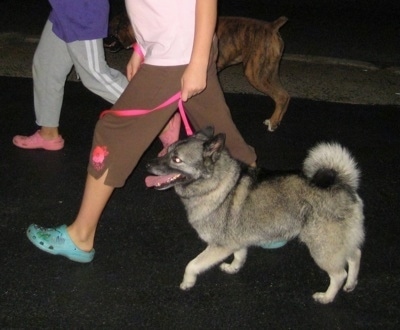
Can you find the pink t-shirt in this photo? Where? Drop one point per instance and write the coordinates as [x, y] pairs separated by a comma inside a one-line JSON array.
[[164, 29]]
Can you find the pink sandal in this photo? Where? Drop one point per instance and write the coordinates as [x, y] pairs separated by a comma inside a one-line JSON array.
[[36, 141], [171, 135]]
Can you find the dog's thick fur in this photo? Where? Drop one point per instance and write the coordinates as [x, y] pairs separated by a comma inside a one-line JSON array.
[[233, 207], [254, 43]]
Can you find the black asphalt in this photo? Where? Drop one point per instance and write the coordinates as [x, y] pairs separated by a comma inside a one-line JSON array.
[[144, 241]]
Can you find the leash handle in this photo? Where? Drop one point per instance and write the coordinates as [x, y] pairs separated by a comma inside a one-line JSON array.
[[138, 50], [141, 112], [184, 118]]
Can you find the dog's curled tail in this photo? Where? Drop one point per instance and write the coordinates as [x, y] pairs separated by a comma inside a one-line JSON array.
[[328, 164]]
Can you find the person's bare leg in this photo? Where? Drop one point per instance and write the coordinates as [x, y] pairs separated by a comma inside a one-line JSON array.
[[170, 133], [49, 133], [95, 198]]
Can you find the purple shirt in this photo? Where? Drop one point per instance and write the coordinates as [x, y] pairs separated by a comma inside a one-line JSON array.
[[80, 19]]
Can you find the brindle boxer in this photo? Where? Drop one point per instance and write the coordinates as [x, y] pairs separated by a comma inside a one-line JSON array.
[[121, 34], [256, 44]]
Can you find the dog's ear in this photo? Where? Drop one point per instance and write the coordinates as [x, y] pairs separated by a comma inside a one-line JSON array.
[[213, 147], [205, 133]]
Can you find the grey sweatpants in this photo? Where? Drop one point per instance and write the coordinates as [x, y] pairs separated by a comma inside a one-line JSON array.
[[52, 62], [119, 142]]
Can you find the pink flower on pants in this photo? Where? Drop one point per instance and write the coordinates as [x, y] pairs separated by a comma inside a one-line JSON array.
[[98, 156]]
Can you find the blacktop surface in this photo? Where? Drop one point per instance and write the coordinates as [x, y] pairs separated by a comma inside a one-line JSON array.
[[342, 68]]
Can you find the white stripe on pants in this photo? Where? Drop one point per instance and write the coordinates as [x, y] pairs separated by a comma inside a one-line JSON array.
[[52, 62]]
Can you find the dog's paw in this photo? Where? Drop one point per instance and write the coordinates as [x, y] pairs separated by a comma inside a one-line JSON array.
[[270, 126], [188, 281], [229, 268], [185, 286], [350, 287], [322, 298]]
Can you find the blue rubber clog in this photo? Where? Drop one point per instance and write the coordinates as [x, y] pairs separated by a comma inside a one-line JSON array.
[[57, 241]]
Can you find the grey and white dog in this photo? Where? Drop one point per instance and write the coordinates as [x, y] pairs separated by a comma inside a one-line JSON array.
[[233, 207]]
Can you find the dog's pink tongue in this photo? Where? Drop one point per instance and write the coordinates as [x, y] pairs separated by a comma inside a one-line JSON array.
[[152, 180]]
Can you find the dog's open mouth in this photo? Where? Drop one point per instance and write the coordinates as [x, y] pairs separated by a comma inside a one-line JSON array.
[[162, 182]]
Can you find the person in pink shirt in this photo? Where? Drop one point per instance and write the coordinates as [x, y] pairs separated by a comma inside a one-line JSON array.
[[179, 49]]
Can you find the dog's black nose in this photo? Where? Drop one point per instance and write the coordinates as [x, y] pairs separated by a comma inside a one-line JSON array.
[[151, 164]]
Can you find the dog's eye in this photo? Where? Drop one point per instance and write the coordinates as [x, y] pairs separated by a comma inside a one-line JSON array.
[[176, 160]]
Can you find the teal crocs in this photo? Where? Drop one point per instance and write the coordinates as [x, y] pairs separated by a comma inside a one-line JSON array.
[[57, 241], [273, 245]]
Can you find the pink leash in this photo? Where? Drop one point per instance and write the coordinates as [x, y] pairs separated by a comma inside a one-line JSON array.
[[141, 112]]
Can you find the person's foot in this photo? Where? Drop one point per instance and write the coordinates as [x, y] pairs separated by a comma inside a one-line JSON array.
[[36, 141], [58, 242], [171, 133]]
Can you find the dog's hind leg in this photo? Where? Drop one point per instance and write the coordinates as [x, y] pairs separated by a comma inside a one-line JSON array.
[[237, 263], [332, 262], [268, 82], [211, 256], [336, 282], [354, 267], [281, 98]]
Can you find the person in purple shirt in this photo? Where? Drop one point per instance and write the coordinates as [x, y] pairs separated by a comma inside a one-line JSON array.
[[72, 37]]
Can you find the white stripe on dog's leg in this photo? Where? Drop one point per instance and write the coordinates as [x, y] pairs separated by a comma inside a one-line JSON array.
[[267, 122]]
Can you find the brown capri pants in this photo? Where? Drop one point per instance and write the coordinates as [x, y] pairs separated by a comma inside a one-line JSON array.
[[119, 142]]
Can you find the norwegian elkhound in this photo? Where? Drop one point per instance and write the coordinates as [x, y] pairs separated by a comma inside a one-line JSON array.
[[233, 207]]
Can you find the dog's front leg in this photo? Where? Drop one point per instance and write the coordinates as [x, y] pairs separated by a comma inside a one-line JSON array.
[[211, 256], [237, 263]]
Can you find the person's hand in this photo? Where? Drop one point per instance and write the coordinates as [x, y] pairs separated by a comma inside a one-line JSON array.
[[133, 65], [193, 81]]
